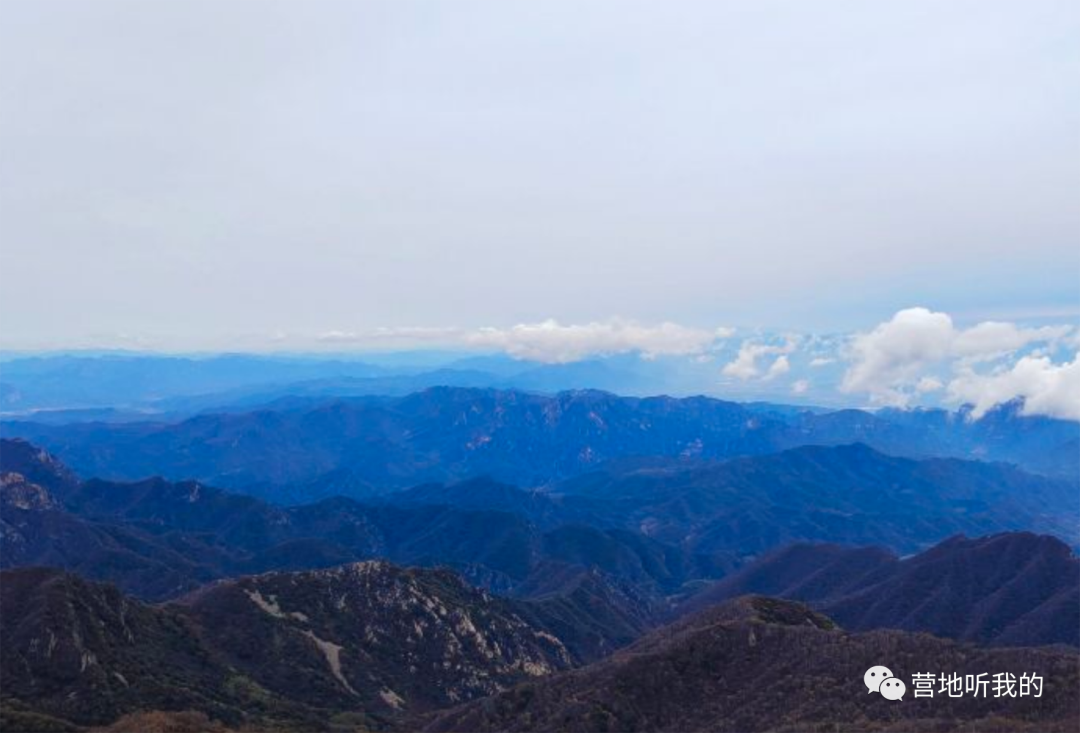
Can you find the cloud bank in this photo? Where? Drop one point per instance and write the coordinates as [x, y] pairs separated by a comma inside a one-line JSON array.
[[550, 342], [919, 351], [1046, 388]]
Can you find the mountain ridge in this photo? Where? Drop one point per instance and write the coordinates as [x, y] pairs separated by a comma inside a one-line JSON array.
[[371, 640], [448, 434], [961, 588], [761, 664]]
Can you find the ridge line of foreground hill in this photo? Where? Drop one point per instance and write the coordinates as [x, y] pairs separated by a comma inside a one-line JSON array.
[[374, 645]]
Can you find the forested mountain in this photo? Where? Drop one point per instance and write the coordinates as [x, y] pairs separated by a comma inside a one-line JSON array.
[[291, 649], [363, 446], [760, 664], [967, 589], [579, 571]]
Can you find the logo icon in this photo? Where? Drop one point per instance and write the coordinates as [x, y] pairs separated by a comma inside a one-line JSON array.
[[881, 679], [893, 688]]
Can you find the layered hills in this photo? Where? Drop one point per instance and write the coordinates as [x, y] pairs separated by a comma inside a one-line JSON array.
[[292, 452], [657, 527], [615, 599], [1009, 589]]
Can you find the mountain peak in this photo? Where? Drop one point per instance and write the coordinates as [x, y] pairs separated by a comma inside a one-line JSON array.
[[18, 493], [763, 609], [388, 636], [36, 466]]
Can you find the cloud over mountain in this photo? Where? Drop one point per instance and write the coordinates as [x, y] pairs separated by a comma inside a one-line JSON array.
[[552, 342], [1046, 388], [915, 351], [745, 365], [549, 341]]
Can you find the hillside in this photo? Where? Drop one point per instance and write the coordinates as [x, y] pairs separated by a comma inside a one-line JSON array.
[[844, 494], [369, 640], [1008, 589], [390, 638], [158, 539], [85, 653], [758, 664]]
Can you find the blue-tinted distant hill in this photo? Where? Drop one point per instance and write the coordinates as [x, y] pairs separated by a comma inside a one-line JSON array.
[[80, 381], [125, 387], [300, 448], [440, 434], [157, 538], [850, 494]]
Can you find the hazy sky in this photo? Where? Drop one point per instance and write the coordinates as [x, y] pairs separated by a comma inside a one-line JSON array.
[[240, 172]]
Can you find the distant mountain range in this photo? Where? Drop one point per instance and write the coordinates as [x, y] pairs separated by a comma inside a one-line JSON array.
[[440, 434], [121, 386], [366, 446]]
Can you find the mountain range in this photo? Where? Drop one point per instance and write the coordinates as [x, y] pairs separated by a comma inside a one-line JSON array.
[[963, 588], [638, 588], [160, 540], [357, 447], [850, 493], [658, 528], [372, 645], [122, 386]]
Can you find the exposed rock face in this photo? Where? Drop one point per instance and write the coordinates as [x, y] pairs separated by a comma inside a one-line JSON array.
[[18, 493], [374, 635], [37, 466], [371, 639]]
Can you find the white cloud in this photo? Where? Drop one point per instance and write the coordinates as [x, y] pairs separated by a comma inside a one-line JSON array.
[[1046, 388], [403, 334], [928, 384], [894, 354], [891, 362], [821, 361], [800, 386], [745, 365], [992, 339], [338, 337], [779, 367], [551, 342]]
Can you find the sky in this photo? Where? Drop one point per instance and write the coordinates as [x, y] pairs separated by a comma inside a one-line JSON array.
[[595, 176]]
